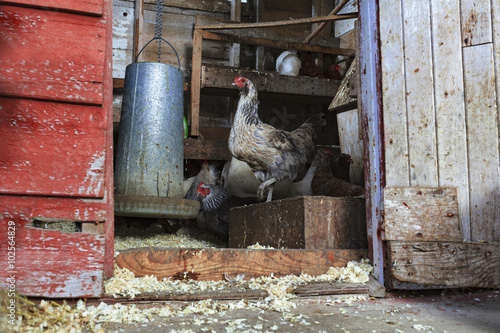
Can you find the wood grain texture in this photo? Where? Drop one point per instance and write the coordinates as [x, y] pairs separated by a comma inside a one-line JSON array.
[[476, 22], [421, 214], [31, 65], [450, 106], [52, 148], [446, 264], [92, 7], [213, 264], [394, 94], [307, 222], [420, 93], [51, 263], [483, 145]]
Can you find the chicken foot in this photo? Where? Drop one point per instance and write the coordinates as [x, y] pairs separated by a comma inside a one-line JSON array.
[[266, 185]]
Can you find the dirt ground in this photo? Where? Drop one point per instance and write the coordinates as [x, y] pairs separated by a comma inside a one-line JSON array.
[[452, 312]]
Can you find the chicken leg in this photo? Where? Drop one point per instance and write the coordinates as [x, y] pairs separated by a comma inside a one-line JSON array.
[[264, 186]]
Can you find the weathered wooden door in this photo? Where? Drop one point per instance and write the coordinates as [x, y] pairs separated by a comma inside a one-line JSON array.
[[441, 90], [56, 146]]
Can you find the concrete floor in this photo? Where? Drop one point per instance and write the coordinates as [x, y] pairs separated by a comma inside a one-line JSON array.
[[453, 312]]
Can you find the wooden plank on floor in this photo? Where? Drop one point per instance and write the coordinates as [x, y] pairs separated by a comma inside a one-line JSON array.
[[450, 107], [420, 93], [446, 263], [233, 293], [214, 264], [421, 214], [327, 288], [476, 22], [394, 94], [223, 77], [483, 145]]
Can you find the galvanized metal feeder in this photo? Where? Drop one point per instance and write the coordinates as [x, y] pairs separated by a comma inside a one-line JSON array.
[[149, 161]]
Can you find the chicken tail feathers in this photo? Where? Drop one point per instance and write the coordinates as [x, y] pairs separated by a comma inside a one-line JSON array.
[[313, 124]]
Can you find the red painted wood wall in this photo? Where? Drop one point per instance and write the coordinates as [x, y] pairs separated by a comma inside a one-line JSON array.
[[56, 145]]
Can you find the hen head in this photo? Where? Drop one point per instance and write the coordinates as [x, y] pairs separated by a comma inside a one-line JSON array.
[[203, 190], [241, 82]]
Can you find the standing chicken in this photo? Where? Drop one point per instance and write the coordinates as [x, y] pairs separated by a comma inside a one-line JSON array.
[[215, 204], [272, 154]]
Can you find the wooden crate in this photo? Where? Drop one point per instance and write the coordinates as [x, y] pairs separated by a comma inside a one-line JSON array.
[[308, 222]]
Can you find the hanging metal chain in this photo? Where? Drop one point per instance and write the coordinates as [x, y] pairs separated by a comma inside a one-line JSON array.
[[158, 25]]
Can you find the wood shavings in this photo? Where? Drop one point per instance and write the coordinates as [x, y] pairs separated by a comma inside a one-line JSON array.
[[154, 236], [48, 316], [257, 246]]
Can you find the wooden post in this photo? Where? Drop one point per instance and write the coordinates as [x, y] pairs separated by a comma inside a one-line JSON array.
[[234, 54], [195, 81], [138, 25], [259, 53]]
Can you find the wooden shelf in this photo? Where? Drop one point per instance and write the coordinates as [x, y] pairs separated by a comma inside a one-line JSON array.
[[270, 82], [221, 79]]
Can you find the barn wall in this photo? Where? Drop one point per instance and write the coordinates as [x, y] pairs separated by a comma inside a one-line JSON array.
[[441, 87]]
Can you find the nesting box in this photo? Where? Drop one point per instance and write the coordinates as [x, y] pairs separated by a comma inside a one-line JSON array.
[[308, 222]]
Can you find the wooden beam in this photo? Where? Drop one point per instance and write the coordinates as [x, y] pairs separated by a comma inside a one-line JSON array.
[[446, 263], [278, 44], [421, 214], [216, 264], [277, 23], [206, 149], [220, 77], [322, 25]]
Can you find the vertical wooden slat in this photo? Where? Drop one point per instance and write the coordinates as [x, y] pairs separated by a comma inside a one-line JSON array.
[[495, 12], [234, 54], [394, 92], [482, 135], [476, 22], [450, 107], [138, 26], [420, 93], [259, 50], [109, 224], [371, 111], [195, 82]]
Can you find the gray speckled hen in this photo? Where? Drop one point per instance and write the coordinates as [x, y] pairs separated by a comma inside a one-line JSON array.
[[272, 154]]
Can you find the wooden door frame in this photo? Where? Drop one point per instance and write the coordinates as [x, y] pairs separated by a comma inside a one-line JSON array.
[[373, 131]]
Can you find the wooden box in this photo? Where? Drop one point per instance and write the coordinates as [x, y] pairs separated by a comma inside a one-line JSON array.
[[308, 222]]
